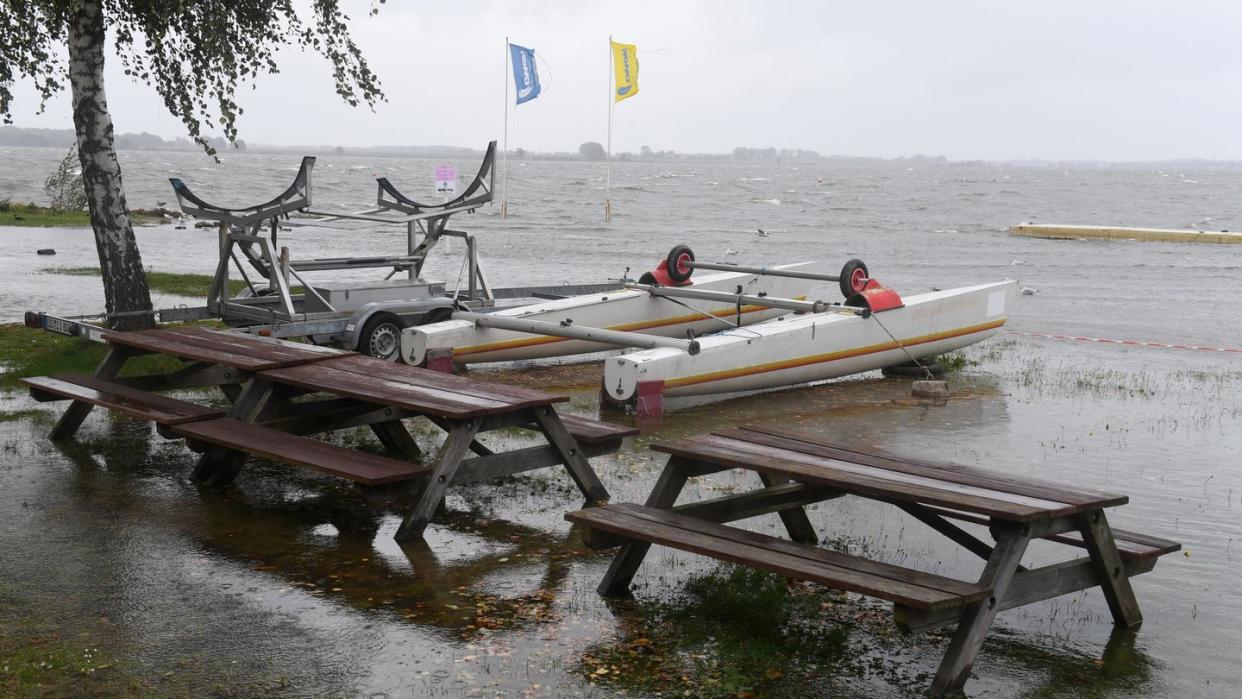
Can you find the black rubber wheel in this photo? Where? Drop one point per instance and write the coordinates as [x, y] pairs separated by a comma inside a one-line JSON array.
[[913, 370], [647, 278], [854, 277], [381, 337], [677, 258]]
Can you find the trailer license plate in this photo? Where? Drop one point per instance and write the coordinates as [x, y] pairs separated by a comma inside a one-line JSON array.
[[57, 325]]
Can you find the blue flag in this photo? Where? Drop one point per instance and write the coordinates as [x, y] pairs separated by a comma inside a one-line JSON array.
[[525, 79]]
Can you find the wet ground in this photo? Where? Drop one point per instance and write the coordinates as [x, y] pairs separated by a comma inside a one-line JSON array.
[[288, 583]]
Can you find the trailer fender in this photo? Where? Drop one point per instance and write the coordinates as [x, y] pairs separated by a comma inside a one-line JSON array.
[[406, 310]]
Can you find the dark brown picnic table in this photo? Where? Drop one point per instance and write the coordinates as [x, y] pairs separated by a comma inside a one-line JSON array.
[[796, 470], [281, 391]]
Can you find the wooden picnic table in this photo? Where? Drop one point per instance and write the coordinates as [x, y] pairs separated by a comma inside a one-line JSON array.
[[797, 470], [281, 391]]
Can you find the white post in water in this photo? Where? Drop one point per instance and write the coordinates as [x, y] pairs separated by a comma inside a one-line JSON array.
[[608, 176], [504, 177]]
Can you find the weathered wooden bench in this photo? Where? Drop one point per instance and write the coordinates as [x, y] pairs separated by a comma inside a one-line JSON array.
[[281, 391], [797, 470], [117, 397], [593, 436]]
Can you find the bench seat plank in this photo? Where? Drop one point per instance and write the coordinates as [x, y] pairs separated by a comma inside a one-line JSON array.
[[794, 441], [588, 431], [1129, 544], [861, 479], [418, 390], [147, 342], [260, 348], [380, 391], [359, 466], [114, 396], [418, 376], [800, 561]]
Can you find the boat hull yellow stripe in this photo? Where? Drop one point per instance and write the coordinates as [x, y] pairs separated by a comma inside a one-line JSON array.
[[628, 327], [828, 357]]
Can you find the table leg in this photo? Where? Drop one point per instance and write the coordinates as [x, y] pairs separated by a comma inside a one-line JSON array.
[[976, 619], [77, 411], [396, 439], [218, 465], [475, 446], [577, 465], [1109, 568], [796, 522], [448, 460], [630, 556]]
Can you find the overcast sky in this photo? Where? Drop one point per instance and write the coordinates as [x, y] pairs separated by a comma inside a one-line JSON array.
[[1136, 80]]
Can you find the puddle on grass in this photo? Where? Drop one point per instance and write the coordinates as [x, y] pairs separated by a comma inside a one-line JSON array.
[[290, 583]]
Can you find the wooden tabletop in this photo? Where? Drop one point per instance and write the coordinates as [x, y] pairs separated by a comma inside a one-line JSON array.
[[403, 386], [808, 459], [236, 350]]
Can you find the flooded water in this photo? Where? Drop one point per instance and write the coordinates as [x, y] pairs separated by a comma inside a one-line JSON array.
[[290, 584]]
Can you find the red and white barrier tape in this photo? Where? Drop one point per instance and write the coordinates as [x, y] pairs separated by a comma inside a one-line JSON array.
[[1137, 343]]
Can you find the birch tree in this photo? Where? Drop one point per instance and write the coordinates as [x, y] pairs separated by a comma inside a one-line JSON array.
[[194, 53]]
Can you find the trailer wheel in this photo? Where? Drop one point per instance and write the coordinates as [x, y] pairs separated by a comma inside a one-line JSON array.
[[853, 278], [678, 269], [381, 337]]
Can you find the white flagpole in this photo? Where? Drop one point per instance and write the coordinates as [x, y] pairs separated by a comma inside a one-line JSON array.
[[608, 176], [504, 177]]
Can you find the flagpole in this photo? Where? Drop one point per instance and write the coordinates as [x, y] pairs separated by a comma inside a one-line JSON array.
[[504, 177], [608, 176]]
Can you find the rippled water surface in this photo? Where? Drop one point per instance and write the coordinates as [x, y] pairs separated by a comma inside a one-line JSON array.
[[290, 583]]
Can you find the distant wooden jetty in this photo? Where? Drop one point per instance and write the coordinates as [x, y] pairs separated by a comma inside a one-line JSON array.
[[1165, 235]]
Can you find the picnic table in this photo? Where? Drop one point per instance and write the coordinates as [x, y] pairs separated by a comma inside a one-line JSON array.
[[282, 391], [796, 470]]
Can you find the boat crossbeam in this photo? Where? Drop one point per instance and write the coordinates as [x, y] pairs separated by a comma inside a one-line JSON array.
[[769, 271], [574, 332], [743, 299]]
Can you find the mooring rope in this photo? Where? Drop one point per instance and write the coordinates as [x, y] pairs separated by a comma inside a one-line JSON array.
[[1135, 343]]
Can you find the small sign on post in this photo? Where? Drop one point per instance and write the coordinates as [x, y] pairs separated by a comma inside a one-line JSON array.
[[446, 179]]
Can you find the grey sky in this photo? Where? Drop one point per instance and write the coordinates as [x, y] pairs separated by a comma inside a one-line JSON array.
[[1055, 79]]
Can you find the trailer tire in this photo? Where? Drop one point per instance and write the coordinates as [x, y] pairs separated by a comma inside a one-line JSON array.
[[677, 259], [909, 369], [853, 277], [381, 337]]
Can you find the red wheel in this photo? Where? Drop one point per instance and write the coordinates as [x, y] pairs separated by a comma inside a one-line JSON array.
[[853, 278], [678, 263]]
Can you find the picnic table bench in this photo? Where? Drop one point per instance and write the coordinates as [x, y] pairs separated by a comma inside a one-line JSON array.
[[797, 470], [282, 391]]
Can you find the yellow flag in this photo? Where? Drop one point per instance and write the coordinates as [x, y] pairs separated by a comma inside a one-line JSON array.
[[625, 65]]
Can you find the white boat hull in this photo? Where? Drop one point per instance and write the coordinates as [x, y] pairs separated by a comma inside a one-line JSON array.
[[796, 349], [623, 309]]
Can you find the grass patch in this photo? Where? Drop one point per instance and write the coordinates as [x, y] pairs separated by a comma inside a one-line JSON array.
[[35, 216], [733, 631], [28, 352], [167, 282], [33, 414], [34, 666], [954, 362]]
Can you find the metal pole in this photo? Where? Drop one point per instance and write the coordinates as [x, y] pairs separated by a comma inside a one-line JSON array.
[[600, 335], [726, 297], [608, 176], [504, 178], [722, 267]]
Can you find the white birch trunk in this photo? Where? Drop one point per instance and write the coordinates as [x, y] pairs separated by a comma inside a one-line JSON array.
[[124, 280]]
